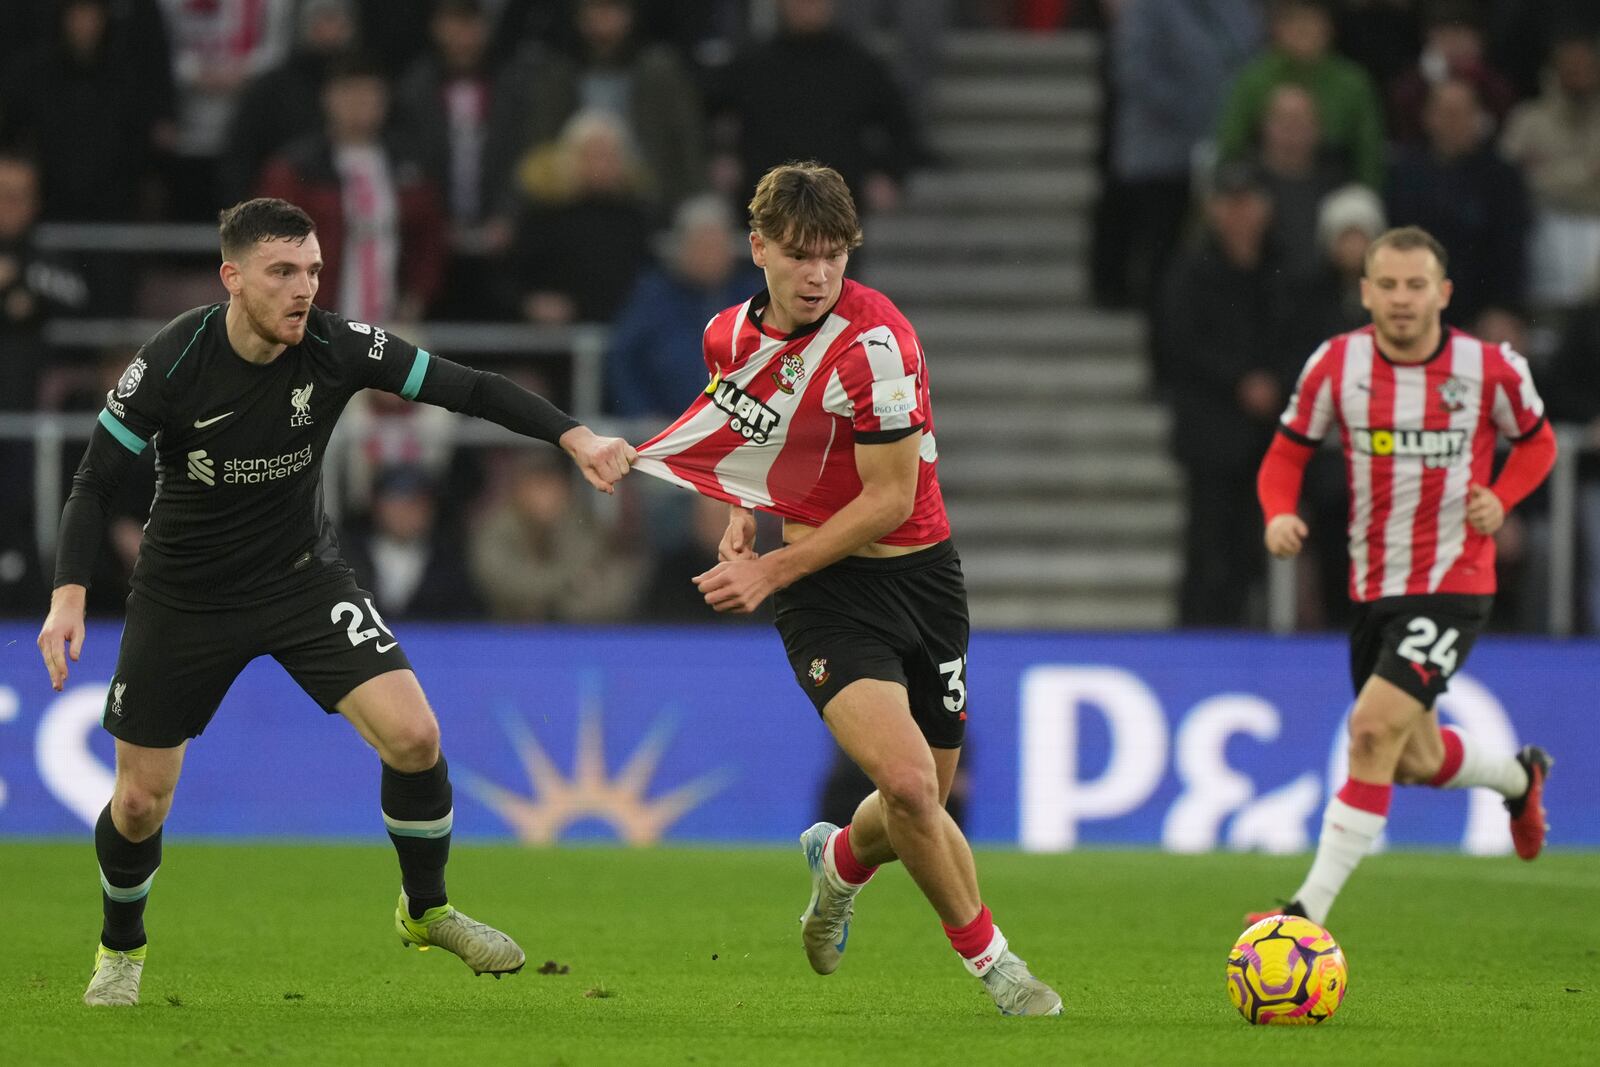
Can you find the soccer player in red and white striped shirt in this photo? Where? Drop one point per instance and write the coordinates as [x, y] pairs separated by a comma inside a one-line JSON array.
[[1418, 409], [819, 410]]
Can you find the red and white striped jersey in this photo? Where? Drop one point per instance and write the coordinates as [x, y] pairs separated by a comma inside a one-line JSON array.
[[1415, 437], [777, 426]]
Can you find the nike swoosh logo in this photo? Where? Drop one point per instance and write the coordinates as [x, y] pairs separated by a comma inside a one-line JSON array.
[[201, 424], [384, 648]]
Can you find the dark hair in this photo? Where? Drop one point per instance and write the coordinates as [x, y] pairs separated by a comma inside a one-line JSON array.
[[1408, 239], [800, 205], [244, 225], [1277, 9], [355, 64]]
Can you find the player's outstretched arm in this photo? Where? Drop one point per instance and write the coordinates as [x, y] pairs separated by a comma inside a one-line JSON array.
[[604, 461], [1278, 489]]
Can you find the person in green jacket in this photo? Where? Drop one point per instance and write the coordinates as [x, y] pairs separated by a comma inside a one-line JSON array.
[[1352, 114]]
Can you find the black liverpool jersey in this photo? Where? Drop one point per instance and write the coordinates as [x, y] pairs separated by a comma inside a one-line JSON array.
[[238, 514]]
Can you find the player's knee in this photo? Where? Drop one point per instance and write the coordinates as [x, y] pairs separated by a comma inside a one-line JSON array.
[[412, 747], [909, 790], [1371, 735], [139, 812]]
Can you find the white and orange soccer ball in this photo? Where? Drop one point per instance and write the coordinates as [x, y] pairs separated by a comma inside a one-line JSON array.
[[1287, 971]]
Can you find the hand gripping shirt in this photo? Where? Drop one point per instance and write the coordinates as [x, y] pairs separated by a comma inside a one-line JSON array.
[[776, 427]]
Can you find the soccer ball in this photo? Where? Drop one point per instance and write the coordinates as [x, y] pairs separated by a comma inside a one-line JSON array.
[[1288, 971]]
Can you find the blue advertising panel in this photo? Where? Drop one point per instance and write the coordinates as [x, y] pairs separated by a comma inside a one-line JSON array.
[[1187, 742]]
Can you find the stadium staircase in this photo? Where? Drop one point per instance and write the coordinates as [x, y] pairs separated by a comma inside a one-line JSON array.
[[1066, 508]]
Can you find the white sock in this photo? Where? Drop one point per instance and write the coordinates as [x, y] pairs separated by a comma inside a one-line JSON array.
[[979, 965], [1479, 766], [1347, 836]]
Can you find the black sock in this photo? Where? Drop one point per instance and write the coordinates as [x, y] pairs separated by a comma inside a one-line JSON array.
[[126, 870], [417, 808]]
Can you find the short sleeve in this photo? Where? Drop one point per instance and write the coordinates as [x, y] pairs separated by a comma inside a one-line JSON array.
[[1311, 408], [1517, 408], [378, 359], [883, 374]]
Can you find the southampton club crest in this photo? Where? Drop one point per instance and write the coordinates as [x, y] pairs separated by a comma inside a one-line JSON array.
[[818, 672], [791, 368], [128, 384], [301, 399], [1453, 394]]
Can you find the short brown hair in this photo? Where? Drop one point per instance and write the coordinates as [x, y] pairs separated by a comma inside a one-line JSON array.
[[1408, 239], [262, 219], [802, 205]]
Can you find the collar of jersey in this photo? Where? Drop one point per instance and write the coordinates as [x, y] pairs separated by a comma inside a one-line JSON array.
[[764, 297], [1445, 334]]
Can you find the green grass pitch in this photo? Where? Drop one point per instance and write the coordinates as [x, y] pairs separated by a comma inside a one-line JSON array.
[[284, 954]]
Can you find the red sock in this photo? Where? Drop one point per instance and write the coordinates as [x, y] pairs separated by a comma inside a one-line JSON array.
[[973, 938], [1367, 796], [845, 862], [1454, 753]]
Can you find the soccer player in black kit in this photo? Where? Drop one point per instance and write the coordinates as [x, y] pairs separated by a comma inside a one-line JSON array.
[[239, 560]]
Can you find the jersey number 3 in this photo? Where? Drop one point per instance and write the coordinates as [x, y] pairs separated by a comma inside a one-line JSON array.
[[357, 634]]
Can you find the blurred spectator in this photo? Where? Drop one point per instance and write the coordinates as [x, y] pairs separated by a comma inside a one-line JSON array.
[[1218, 326], [34, 287], [462, 113], [1301, 35], [1297, 176], [1452, 48], [539, 555], [217, 47], [833, 101], [381, 431], [413, 569], [1460, 189], [1522, 31], [655, 365], [78, 103], [1384, 36], [396, 31], [1171, 61], [275, 107], [585, 235], [1328, 302], [1556, 141], [644, 85], [914, 39], [1572, 394], [1322, 306], [670, 593], [378, 217]]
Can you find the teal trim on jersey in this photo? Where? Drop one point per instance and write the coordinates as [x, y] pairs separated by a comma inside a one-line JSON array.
[[193, 339], [419, 369], [314, 337], [129, 439]]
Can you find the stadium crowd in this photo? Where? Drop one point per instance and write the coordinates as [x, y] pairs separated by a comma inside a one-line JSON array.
[[557, 162]]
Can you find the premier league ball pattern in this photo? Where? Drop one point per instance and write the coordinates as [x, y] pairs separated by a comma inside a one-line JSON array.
[[1287, 971]]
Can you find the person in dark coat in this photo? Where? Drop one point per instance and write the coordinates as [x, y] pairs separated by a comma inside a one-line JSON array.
[[1218, 332]]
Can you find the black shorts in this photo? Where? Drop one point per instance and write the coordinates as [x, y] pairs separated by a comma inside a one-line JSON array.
[[175, 666], [901, 619], [1416, 642]]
